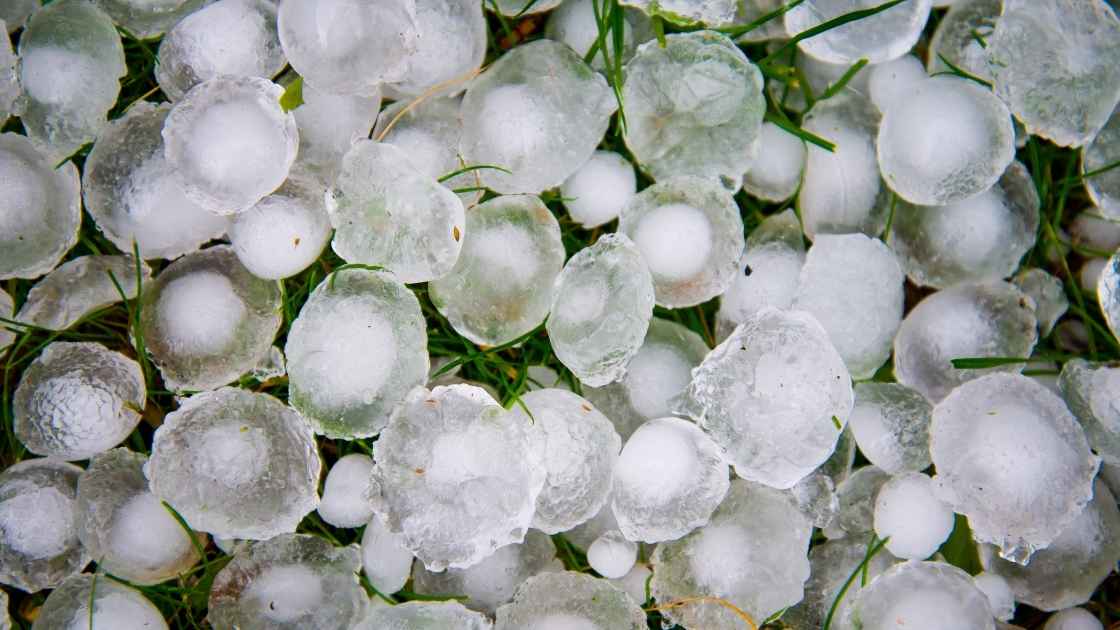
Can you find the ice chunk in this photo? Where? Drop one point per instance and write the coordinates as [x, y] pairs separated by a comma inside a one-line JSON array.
[[284, 233], [596, 193], [1073, 619], [709, 12], [816, 498], [569, 601], [893, 80], [999, 594], [881, 37], [385, 559], [114, 604], [856, 496], [451, 44], [1090, 391], [16, 12], [236, 464], [921, 596], [667, 482], [612, 556], [910, 517], [80, 287], [891, 426], [344, 492], [1048, 294], [961, 37], [9, 77], [421, 615], [832, 564], [1104, 187], [775, 173], [428, 132], [328, 124], [574, 24]]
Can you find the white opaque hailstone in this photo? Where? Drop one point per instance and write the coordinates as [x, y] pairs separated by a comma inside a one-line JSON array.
[[1048, 294], [667, 482], [881, 37], [921, 596], [328, 124], [386, 560], [977, 439], [891, 425], [9, 77], [1089, 390], [1104, 187], [418, 614], [1108, 293], [856, 496], [911, 517], [146, 19], [568, 600], [596, 193], [451, 43], [344, 504], [81, 286], [999, 594], [114, 605], [282, 234], [947, 141], [961, 38], [1073, 619], [612, 556], [709, 12], [833, 563], [574, 24], [774, 396], [893, 80], [775, 173]]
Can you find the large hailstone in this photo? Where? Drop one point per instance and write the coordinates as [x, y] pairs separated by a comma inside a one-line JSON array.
[[1090, 390], [961, 37], [417, 615], [690, 233], [114, 604], [774, 396], [40, 209], [921, 596], [39, 546], [693, 107], [502, 285], [284, 233], [978, 438], [387, 212], [1102, 151], [79, 287], [570, 600], [125, 527], [328, 124], [832, 564], [451, 44], [539, 112], [891, 425], [710, 12], [457, 475], [356, 349], [146, 19], [881, 37], [601, 307], [910, 517], [206, 320], [752, 554], [236, 464]]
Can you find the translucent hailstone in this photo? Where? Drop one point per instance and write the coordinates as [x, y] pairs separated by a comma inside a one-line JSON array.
[[451, 44], [596, 193], [881, 37], [344, 504], [774, 396], [961, 37], [236, 464], [424, 616], [41, 209], [428, 132], [501, 287], [40, 540], [569, 601], [667, 482], [132, 194], [283, 233], [125, 527], [977, 439], [752, 554], [1073, 619], [612, 556], [292, 581], [517, 8], [856, 496], [114, 604], [893, 80], [775, 173], [832, 564], [71, 63], [206, 320], [998, 592], [948, 140], [76, 400], [1048, 294], [9, 78], [79, 287], [538, 111], [1057, 66], [815, 497], [921, 596], [456, 475], [16, 12], [660, 370], [7, 306], [492, 582], [328, 124], [709, 12], [693, 107], [1104, 188], [911, 518], [690, 233], [385, 559], [1090, 391], [358, 346], [574, 24], [891, 426], [991, 319], [146, 19]]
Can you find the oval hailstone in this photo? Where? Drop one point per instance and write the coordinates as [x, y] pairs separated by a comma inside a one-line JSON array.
[[833, 563], [236, 464], [328, 124], [1103, 150], [434, 615], [891, 426], [1090, 391], [880, 37], [79, 287], [343, 504], [961, 37], [693, 108], [114, 605], [922, 596], [451, 45], [539, 112], [385, 559], [145, 19], [775, 173], [567, 599], [978, 436], [596, 193], [284, 233]]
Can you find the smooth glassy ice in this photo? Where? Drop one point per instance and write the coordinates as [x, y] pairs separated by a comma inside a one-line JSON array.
[[880, 37], [775, 173], [114, 604], [385, 559], [891, 425], [451, 43], [921, 596], [612, 556], [79, 287], [1090, 391], [284, 233], [911, 518], [890, 81], [597, 192], [569, 600], [344, 502]]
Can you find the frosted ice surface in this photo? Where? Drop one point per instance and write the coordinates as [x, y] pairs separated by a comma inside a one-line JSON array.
[[457, 475], [516, 8], [574, 24], [146, 19], [1073, 619], [236, 464], [9, 77], [1102, 151], [79, 287], [206, 320], [815, 496], [857, 495], [596, 193], [891, 426], [385, 560], [914, 520], [977, 439], [328, 124], [893, 80], [16, 12], [612, 556], [774, 396], [538, 111], [991, 319], [1090, 391], [962, 35], [709, 12], [1091, 229], [1048, 294], [451, 44], [569, 601], [999, 594], [775, 173], [344, 492], [667, 482], [40, 540], [752, 554], [132, 195], [284, 233], [501, 287], [921, 596], [293, 581], [832, 564], [429, 133], [7, 334], [424, 616], [693, 108], [358, 346], [881, 37], [114, 606], [76, 400]]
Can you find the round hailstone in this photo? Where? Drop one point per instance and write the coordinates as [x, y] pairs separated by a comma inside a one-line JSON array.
[[991, 319], [752, 554], [344, 504], [146, 19], [40, 209], [229, 143], [538, 111], [890, 81], [921, 596], [1073, 619], [910, 517], [569, 600], [856, 497], [292, 581], [667, 482], [948, 140], [999, 594], [7, 306], [386, 561], [978, 436], [39, 546], [1104, 187], [693, 107], [691, 235], [424, 615], [206, 320], [852, 284], [328, 124], [660, 370], [1089, 390], [501, 287], [77, 400], [612, 556], [229, 37], [71, 61], [358, 346], [710, 12], [775, 173], [492, 582], [891, 426], [428, 131], [283, 233], [574, 24], [774, 396], [79, 287], [457, 475], [451, 45], [833, 563], [132, 195], [9, 79], [114, 606], [961, 38], [1057, 66], [125, 527], [236, 464], [596, 193], [881, 37]]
